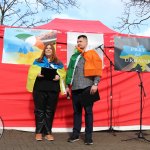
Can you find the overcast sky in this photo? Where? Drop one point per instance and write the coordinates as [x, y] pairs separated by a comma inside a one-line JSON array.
[[106, 11]]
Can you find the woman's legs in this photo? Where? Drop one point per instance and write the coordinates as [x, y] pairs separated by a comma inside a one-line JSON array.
[[45, 106], [51, 103], [39, 102]]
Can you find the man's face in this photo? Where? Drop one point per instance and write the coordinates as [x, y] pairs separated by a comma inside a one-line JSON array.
[[82, 43]]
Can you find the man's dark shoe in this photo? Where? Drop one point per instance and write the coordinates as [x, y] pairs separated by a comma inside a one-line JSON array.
[[88, 141], [73, 138]]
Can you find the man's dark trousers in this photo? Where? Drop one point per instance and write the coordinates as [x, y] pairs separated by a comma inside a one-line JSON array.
[[76, 97]]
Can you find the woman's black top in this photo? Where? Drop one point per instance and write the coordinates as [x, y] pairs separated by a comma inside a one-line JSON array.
[[43, 84]]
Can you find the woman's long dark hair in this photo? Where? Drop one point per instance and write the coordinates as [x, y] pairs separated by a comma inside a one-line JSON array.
[[53, 57]]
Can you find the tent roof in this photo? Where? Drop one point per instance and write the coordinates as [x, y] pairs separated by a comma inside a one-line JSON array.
[[77, 26]]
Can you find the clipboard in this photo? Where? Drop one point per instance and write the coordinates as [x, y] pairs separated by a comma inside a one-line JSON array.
[[48, 73]]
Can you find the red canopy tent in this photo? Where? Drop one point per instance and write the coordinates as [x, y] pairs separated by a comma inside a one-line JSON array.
[[16, 104]]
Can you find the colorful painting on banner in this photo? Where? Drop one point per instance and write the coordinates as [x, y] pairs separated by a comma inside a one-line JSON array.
[[22, 46], [94, 40], [132, 54]]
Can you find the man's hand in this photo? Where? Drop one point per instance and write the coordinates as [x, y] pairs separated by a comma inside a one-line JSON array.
[[93, 89], [68, 92]]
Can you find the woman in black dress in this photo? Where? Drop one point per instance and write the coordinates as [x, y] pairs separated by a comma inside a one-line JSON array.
[[45, 79]]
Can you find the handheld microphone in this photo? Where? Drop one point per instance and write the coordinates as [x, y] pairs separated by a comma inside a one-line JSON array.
[[68, 95]]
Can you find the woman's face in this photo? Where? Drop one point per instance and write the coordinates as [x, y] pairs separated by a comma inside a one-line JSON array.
[[48, 50]]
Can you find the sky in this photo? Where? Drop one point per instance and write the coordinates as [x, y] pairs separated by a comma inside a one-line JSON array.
[[106, 11]]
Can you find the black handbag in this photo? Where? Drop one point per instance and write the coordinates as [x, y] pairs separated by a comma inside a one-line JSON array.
[[87, 99]]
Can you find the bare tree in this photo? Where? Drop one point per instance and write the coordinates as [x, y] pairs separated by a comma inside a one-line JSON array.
[[29, 13], [136, 14]]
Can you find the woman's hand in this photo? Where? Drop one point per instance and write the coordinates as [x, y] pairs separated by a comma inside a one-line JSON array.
[[40, 75], [57, 77]]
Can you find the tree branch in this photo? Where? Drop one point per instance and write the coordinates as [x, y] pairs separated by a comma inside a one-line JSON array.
[[136, 12], [32, 9]]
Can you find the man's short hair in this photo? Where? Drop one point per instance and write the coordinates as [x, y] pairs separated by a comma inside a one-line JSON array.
[[82, 36]]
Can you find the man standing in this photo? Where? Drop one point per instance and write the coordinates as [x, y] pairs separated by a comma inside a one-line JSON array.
[[84, 71]]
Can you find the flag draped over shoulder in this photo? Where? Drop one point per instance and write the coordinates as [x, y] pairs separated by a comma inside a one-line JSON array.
[[92, 66], [46, 64], [35, 69], [93, 63], [72, 64]]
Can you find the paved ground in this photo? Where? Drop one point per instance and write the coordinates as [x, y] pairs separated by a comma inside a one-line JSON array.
[[103, 140]]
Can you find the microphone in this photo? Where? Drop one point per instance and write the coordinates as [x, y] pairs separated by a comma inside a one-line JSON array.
[[68, 95], [137, 71]]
